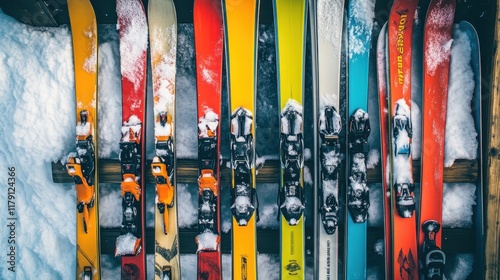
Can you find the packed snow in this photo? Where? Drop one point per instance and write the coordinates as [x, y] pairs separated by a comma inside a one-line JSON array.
[[327, 21], [207, 241], [36, 125], [208, 124], [134, 40], [461, 135]]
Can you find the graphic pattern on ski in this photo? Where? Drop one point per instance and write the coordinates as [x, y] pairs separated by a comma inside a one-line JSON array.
[[208, 32], [329, 16], [241, 33], [83, 166], [290, 26], [133, 33], [436, 67], [403, 219], [359, 27], [163, 47]]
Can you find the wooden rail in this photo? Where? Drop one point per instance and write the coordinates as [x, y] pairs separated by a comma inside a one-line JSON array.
[[462, 171], [492, 243]]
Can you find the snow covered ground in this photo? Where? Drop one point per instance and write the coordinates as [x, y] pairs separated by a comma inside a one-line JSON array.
[[37, 127]]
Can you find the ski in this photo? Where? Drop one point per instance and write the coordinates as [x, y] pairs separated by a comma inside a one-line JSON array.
[[241, 33], [327, 26], [436, 67], [208, 32], [162, 22], [382, 70], [475, 63], [133, 32], [290, 30], [403, 219], [360, 15], [83, 166]]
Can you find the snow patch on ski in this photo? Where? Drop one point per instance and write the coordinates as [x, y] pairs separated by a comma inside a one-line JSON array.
[[328, 22], [362, 14], [207, 241], [83, 129], [126, 244], [438, 48], [291, 105], [164, 60], [208, 122], [134, 41], [89, 64]]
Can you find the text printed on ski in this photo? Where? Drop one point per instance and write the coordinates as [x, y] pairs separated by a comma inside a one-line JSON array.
[[400, 47]]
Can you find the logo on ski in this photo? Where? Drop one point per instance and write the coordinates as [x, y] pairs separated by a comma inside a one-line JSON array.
[[407, 265], [292, 267], [400, 45]]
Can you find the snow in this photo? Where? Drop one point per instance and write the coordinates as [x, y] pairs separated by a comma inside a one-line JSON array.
[[90, 62], [461, 135], [438, 46], [327, 21], [362, 15], [208, 122], [34, 133], [134, 40], [164, 58], [125, 245], [207, 241], [110, 102], [336, 121]]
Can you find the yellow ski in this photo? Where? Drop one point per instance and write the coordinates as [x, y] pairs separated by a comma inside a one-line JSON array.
[[83, 167], [241, 32], [290, 26]]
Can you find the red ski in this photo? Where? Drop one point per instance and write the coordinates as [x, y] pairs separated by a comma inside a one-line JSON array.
[[133, 30], [403, 218], [436, 67], [208, 33]]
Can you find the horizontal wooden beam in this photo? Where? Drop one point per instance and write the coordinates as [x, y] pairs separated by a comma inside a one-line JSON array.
[[268, 240], [187, 172]]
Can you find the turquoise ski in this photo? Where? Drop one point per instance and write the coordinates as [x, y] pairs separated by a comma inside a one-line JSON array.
[[359, 27]]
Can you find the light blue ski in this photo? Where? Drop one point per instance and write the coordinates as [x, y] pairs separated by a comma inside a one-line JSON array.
[[359, 27]]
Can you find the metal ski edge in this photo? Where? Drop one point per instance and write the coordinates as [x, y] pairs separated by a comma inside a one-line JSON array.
[[382, 82]]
